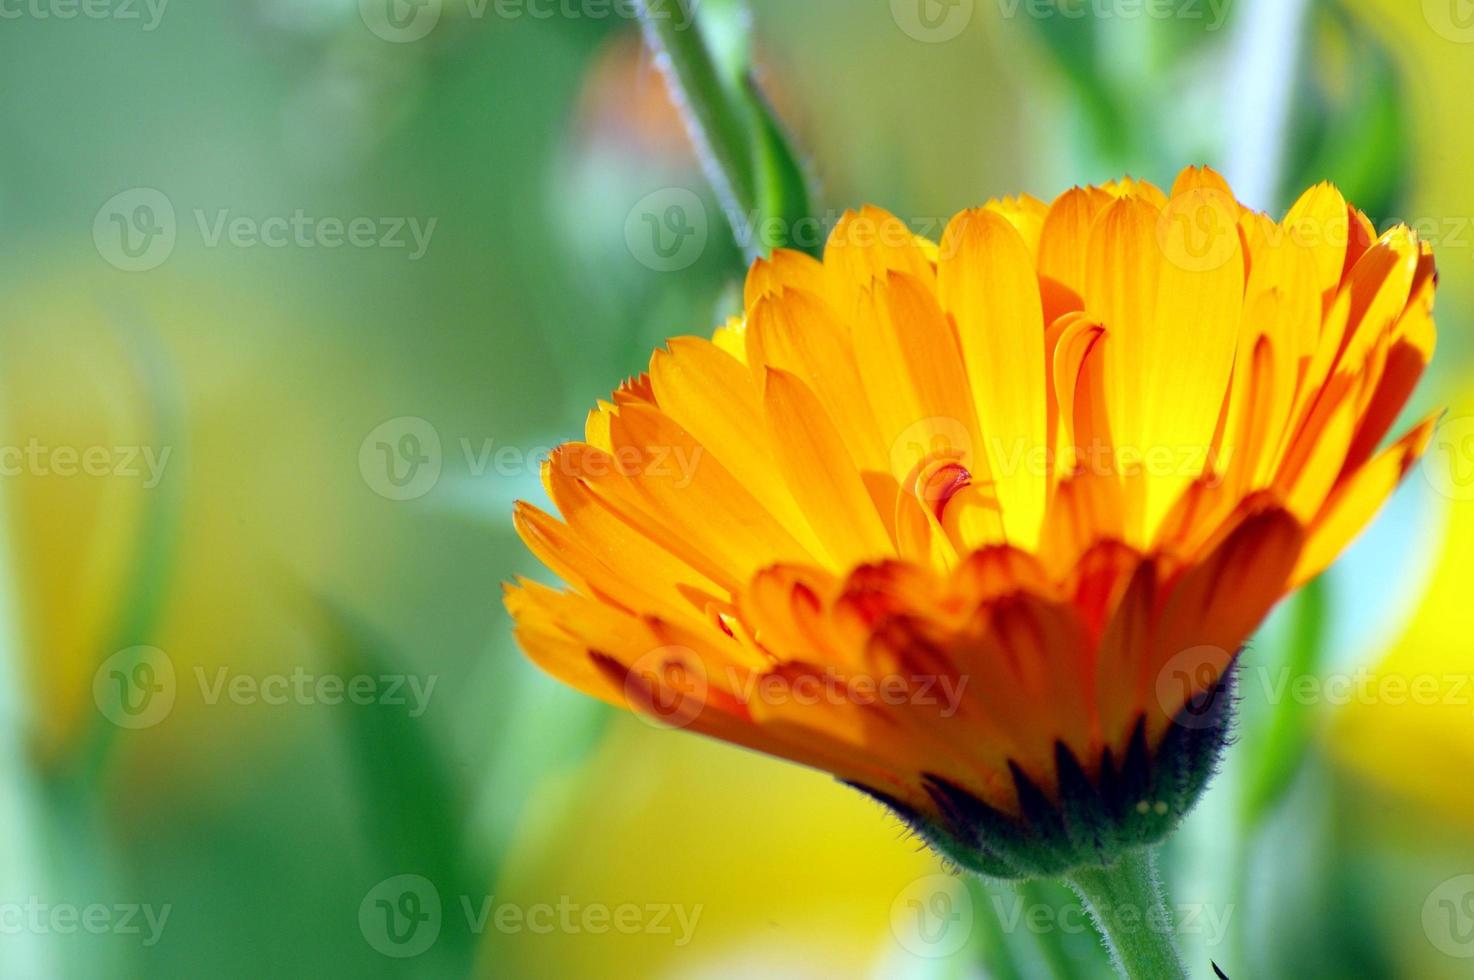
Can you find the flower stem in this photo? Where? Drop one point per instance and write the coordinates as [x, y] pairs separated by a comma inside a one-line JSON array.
[[744, 153], [1125, 900], [23, 871], [716, 129]]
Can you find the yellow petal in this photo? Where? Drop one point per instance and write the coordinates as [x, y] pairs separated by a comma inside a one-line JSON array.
[[1320, 222], [732, 338], [800, 334], [819, 470], [1064, 239], [1200, 178], [1351, 508], [699, 498], [784, 269], [1026, 213], [908, 359], [1199, 308], [863, 248], [711, 395], [986, 282]]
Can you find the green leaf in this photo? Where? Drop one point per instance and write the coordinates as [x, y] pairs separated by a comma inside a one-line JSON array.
[[1350, 123], [1072, 42], [414, 815], [781, 182], [151, 562]]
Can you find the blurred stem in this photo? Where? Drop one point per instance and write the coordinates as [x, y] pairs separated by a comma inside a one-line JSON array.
[[1280, 747], [152, 562], [1287, 731], [992, 943], [1048, 941], [750, 165], [715, 128], [1125, 900], [22, 854]]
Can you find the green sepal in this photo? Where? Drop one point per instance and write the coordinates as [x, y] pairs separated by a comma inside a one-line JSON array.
[[1089, 822]]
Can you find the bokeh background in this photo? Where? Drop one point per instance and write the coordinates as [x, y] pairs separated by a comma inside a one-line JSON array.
[[294, 294]]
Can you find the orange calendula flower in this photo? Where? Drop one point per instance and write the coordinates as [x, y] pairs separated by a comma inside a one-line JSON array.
[[980, 525]]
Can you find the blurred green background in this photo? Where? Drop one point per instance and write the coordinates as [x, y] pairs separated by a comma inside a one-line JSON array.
[[295, 296]]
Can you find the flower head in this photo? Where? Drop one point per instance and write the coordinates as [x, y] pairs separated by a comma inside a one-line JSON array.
[[980, 525]]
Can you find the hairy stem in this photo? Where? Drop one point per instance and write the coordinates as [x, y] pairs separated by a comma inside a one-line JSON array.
[[713, 121], [1125, 900]]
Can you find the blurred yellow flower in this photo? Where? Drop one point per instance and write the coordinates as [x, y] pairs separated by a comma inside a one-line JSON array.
[[1406, 725], [969, 523], [139, 516], [776, 890], [80, 467]]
